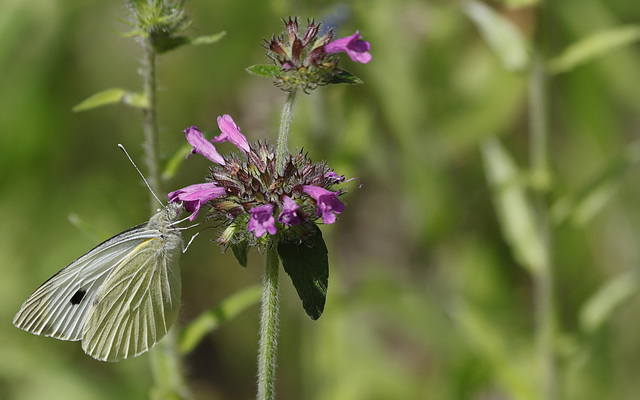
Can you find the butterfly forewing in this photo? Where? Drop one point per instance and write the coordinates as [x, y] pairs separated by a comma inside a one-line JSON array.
[[120, 298], [137, 304], [59, 306]]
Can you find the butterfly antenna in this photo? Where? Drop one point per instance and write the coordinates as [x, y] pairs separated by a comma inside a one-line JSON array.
[[140, 172]]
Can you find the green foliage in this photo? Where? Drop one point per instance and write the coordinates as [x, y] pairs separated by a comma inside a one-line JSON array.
[[210, 320], [307, 264], [428, 298]]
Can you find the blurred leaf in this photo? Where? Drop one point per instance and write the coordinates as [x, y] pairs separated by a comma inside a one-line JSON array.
[[345, 77], [515, 4], [514, 209], [501, 35], [264, 71], [175, 161], [241, 252], [163, 44], [592, 47], [512, 367], [307, 264], [137, 100], [109, 96], [212, 319], [581, 206], [209, 39], [599, 308]]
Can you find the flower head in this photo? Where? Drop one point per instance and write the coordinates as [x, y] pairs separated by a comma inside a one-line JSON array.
[[307, 58], [192, 197], [327, 202], [262, 220], [356, 49], [247, 195], [202, 145]]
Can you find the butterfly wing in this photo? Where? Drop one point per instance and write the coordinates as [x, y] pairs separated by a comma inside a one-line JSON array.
[[137, 304], [59, 307]]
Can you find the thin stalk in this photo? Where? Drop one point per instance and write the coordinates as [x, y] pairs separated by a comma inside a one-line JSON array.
[[283, 134], [268, 346], [543, 277], [166, 364]]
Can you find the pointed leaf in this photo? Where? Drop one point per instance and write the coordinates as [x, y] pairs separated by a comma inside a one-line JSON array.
[[175, 161], [594, 46], [264, 71], [241, 252], [212, 319], [580, 206], [607, 299], [514, 209], [109, 96], [345, 77], [209, 39], [163, 44], [307, 264], [504, 38]]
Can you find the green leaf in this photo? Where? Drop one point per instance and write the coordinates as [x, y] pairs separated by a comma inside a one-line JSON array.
[[514, 209], [241, 252], [581, 206], [209, 39], [163, 44], [345, 77], [109, 96], [607, 299], [264, 71], [504, 38], [307, 264], [592, 47], [175, 161], [212, 319]]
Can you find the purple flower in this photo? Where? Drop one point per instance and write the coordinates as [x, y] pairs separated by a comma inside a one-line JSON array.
[[357, 50], [231, 133], [289, 215], [202, 145], [326, 201], [192, 197], [262, 220]]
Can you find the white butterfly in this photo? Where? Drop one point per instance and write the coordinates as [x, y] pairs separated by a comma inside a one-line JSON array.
[[120, 298]]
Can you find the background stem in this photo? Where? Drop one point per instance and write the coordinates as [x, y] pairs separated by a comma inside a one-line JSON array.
[[166, 363], [267, 353], [283, 134], [543, 276]]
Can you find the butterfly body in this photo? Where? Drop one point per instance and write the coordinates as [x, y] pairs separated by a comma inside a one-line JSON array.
[[119, 299]]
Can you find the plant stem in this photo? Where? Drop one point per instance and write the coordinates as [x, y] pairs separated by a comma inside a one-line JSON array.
[[166, 364], [268, 327], [543, 277], [152, 150], [283, 134]]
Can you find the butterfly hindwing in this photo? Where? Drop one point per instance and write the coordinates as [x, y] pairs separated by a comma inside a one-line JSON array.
[[137, 304]]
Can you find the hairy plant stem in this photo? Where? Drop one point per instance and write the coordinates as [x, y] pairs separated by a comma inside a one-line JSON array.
[[166, 363], [268, 346], [543, 276], [283, 134]]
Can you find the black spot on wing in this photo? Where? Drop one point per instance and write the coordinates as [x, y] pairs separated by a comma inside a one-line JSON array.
[[77, 297]]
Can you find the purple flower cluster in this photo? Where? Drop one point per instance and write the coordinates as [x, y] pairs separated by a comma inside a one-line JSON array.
[[246, 194], [308, 59]]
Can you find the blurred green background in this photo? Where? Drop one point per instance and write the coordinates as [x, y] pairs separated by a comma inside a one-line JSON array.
[[427, 299]]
